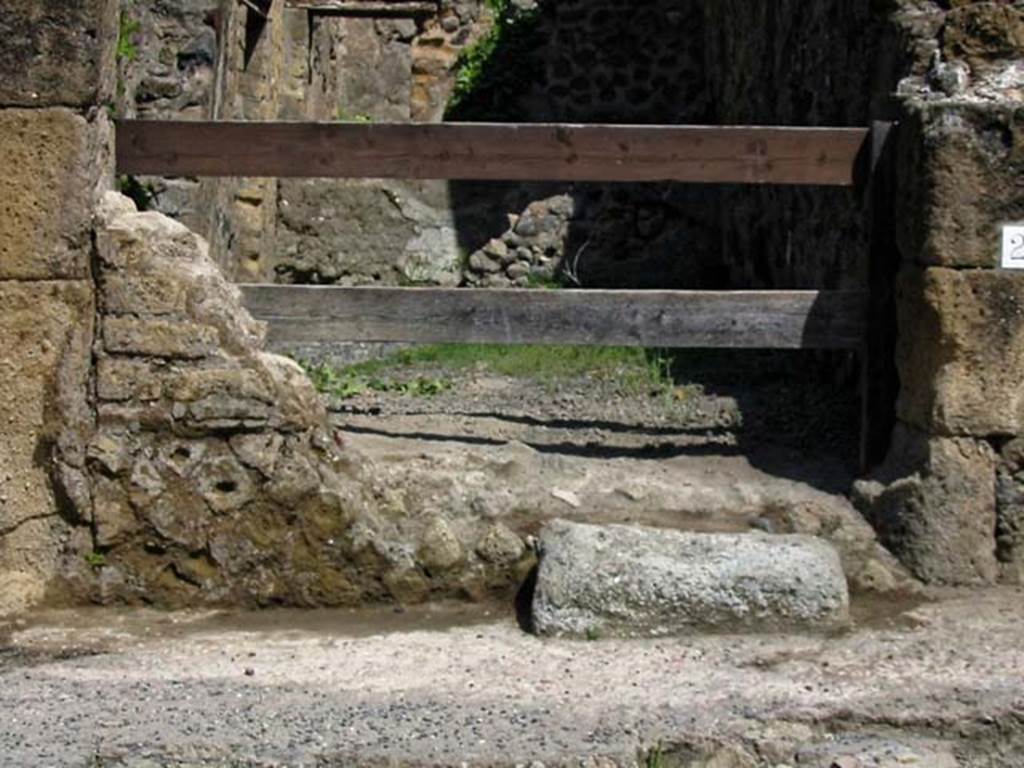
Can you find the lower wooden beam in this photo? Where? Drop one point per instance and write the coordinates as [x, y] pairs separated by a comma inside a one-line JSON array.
[[695, 319]]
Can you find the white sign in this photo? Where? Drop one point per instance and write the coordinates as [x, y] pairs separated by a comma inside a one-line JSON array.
[[1013, 246]]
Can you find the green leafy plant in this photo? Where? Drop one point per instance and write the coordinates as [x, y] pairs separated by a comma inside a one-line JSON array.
[[345, 117], [96, 560], [543, 283], [492, 73], [127, 47], [346, 383]]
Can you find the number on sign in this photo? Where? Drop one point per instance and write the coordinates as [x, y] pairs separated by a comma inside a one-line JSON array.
[[1013, 246], [1017, 247]]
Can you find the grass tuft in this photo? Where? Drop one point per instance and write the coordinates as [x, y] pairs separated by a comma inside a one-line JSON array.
[[635, 371]]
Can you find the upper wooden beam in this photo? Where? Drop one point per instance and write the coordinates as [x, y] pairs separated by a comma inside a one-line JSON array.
[[696, 319], [512, 152]]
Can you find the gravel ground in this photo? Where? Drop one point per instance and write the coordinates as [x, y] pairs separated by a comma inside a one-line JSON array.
[[935, 685]]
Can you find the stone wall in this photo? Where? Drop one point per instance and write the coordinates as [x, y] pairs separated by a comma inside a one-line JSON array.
[[953, 510], [56, 59], [391, 68], [947, 500], [216, 477], [595, 61]]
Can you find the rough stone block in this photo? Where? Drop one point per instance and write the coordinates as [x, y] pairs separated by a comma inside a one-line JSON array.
[[49, 179], [145, 295], [113, 517], [159, 338], [56, 52], [170, 264], [223, 398], [961, 351], [933, 503], [119, 379], [237, 383], [961, 177], [47, 328], [631, 581]]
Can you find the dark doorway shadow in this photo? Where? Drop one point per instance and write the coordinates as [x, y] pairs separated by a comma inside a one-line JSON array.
[[524, 602]]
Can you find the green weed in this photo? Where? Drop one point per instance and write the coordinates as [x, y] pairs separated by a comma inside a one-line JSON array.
[[95, 560], [543, 283], [345, 117], [655, 757], [346, 383], [127, 47]]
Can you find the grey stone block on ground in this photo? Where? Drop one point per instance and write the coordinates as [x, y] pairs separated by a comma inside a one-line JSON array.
[[630, 581]]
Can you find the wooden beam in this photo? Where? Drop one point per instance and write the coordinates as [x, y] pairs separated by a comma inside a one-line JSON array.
[[696, 319], [366, 7], [529, 152]]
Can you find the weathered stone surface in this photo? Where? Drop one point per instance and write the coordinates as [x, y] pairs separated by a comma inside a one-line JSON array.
[[57, 53], [44, 421], [367, 232], [259, 451], [375, 70], [203, 439], [49, 180], [961, 351], [152, 295], [440, 550], [982, 31], [500, 545], [631, 581], [961, 177], [933, 504], [120, 379], [1010, 512], [158, 338]]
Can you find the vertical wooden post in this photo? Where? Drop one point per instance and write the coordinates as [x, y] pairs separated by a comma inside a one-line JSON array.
[[879, 384]]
